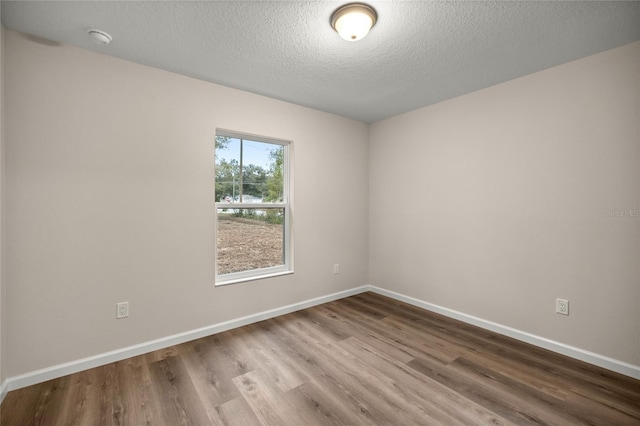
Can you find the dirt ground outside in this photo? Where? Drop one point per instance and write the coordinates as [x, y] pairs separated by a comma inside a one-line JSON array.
[[246, 244]]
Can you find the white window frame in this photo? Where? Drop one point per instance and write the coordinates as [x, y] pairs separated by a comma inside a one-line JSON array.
[[273, 271]]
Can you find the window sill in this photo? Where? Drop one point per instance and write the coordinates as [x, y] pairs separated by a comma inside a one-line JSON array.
[[236, 280]]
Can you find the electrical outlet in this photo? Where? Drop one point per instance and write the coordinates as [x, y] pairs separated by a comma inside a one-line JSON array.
[[122, 310], [336, 269], [562, 306]]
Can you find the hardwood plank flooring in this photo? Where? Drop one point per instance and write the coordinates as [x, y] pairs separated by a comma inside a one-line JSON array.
[[363, 360]]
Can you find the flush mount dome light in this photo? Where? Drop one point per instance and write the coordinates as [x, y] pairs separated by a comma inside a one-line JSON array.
[[99, 36], [354, 20]]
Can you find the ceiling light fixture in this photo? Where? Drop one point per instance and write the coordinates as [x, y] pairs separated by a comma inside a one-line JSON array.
[[99, 36], [354, 20]]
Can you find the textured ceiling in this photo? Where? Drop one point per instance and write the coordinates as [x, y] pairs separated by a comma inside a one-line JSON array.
[[419, 52]]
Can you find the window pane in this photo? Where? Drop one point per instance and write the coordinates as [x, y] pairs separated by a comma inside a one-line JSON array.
[[227, 168], [248, 171], [249, 239]]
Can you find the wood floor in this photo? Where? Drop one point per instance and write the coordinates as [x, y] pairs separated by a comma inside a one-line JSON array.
[[361, 360]]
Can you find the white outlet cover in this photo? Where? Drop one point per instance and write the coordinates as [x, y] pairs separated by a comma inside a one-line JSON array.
[[122, 310], [562, 306]]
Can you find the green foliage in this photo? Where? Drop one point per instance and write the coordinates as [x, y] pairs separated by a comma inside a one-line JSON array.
[[227, 178], [275, 181], [273, 216], [222, 142], [254, 181]]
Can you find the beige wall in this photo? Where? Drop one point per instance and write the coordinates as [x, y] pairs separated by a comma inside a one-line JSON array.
[[495, 203], [109, 197]]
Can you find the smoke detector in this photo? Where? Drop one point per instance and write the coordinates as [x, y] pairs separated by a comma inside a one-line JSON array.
[[99, 36]]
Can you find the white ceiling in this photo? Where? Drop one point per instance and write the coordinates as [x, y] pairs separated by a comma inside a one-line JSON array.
[[419, 52]]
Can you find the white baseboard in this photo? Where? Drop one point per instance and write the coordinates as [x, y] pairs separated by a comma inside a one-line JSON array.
[[60, 370], [570, 351]]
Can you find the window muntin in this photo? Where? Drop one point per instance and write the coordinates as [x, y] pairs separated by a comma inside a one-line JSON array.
[[252, 207]]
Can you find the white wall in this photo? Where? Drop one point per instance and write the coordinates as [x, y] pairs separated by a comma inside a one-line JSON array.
[[502, 199], [109, 197]]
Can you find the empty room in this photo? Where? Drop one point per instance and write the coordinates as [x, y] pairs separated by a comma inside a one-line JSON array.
[[320, 212]]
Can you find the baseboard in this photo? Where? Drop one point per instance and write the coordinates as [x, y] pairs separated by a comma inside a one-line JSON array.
[[60, 370], [570, 351]]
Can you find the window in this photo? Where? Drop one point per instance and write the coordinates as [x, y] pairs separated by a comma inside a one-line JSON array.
[[253, 207]]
